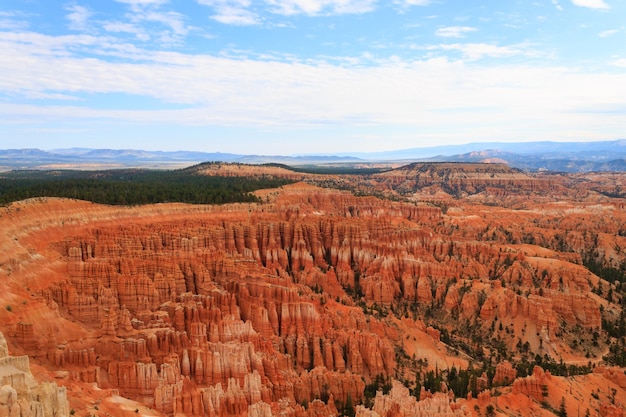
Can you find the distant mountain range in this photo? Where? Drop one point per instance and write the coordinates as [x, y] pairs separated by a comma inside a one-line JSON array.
[[529, 156]]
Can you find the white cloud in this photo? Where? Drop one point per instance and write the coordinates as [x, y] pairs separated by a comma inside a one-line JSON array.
[[232, 12], [141, 3], [236, 17], [608, 33], [236, 4], [173, 20], [318, 7], [498, 102], [486, 92], [262, 93], [240, 12], [117, 27], [12, 21], [474, 51], [9, 24], [49, 96], [557, 5], [416, 2], [593, 4], [78, 17], [148, 21], [404, 5], [454, 31], [35, 44]]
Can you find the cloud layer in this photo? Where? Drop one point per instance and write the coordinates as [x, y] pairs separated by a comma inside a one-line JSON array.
[[450, 80]]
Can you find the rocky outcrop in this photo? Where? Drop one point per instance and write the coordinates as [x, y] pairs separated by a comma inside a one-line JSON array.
[[535, 386], [399, 403], [505, 374], [22, 395]]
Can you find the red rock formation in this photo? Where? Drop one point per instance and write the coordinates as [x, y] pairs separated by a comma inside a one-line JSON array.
[[21, 394], [399, 403], [505, 374], [463, 179], [611, 410], [261, 308], [484, 398], [613, 374], [434, 333], [535, 386]]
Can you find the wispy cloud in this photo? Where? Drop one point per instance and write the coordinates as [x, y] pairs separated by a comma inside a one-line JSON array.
[[592, 4], [174, 20], [232, 12], [142, 3], [240, 12], [131, 51], [318, 7], [247, 92], [454, 31], [147, 20], [415, 2], [557, 5], [619, 63], [13, 21], [78, 17], [608, 33], [476, 51], [237, 17], [122, 27], [402, 6]]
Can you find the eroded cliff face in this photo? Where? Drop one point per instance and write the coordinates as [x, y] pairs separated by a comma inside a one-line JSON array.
[[293, 306], [22, 395]]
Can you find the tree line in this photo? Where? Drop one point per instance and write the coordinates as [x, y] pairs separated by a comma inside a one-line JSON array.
[[132, 186]]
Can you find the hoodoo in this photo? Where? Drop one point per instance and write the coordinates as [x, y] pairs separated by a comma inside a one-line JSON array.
[[317, 302]]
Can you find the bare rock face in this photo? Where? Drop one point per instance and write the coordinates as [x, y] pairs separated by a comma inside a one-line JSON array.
[[22, 395]]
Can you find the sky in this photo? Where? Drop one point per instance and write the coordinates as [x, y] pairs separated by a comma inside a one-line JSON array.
[[283, 77]]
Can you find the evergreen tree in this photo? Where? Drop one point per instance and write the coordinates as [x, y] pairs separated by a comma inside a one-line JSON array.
[[562, 409]]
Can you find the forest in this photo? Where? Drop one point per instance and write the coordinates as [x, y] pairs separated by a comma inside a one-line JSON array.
[[132, 186]]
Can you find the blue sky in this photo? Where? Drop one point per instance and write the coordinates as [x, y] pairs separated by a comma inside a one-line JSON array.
[[309, 76]]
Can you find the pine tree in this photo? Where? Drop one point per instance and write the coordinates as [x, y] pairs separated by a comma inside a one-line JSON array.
[[562, 409]]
